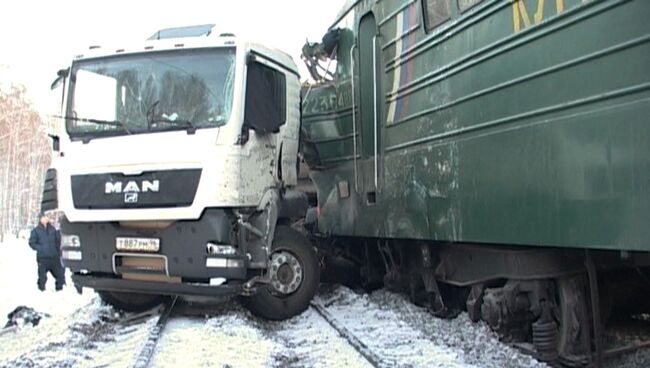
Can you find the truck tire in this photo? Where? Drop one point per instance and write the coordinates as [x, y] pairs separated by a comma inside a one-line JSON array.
[[282, 300], [130, 302]]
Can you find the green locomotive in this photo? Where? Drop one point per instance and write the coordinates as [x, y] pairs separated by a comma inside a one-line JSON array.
[[490, 156]]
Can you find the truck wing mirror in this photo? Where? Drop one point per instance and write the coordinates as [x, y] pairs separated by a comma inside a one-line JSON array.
[[60, 76], [56, 142]]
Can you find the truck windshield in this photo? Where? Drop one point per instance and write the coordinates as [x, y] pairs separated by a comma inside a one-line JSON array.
[[149, 92]]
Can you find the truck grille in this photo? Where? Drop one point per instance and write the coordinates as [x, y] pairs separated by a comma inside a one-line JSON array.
[[153, 189], [142, 267]]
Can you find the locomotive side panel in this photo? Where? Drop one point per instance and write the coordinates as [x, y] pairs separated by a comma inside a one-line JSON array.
[[509, 123]]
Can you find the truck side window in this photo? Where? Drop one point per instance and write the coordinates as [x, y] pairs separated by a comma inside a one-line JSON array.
[[436, 12], [466, 4], [266, 99]]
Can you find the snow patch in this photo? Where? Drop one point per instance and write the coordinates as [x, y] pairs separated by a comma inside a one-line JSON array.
[[386, 332], [227, 340], [474, 343]]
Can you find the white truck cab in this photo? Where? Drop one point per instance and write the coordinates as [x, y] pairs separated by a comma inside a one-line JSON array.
[[175, 170]]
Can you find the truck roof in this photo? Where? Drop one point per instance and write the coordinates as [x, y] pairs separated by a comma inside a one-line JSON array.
[[209, 41]]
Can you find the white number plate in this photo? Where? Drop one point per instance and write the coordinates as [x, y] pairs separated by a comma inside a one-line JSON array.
[[137, 244]]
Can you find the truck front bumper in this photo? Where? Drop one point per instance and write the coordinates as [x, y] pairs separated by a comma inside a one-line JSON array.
[[160, 288], [182, 264]]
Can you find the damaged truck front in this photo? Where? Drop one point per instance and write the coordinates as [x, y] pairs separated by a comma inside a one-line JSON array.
[[175, 174]]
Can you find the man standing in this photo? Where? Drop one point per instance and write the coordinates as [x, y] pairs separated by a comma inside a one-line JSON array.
[[46, 241]]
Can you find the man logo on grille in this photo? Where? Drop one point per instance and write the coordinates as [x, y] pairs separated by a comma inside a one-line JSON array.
[[130, 197], [145, 186]]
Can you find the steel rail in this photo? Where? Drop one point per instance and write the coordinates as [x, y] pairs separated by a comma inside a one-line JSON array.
[[354, 341], [147, 351]]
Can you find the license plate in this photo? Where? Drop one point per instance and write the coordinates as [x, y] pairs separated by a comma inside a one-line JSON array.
[[149, 245]]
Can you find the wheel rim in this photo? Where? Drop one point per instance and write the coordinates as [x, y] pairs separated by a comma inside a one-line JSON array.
[[286, 273]]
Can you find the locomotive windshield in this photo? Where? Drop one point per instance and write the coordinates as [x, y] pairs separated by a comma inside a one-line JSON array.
[[149, 92]]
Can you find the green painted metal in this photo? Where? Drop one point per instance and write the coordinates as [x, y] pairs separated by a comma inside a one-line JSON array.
[[367, 81], [514, 122]]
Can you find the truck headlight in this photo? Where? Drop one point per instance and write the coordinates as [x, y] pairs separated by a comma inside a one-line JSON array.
[[220, 249], [212, 262], [71, 241]]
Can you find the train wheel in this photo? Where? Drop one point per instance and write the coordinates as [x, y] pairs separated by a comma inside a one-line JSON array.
[[294, 277], [574, 323], [130, 302]]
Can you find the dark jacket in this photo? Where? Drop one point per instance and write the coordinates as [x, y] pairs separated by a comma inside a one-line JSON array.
[[46, 241]]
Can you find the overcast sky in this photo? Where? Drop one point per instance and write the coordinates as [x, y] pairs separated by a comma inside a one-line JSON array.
[[39, 37]]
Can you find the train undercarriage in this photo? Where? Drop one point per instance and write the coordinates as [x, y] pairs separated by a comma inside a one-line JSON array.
[[541, 300]]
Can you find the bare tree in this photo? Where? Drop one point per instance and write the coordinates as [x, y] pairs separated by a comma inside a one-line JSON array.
[[24, 157]]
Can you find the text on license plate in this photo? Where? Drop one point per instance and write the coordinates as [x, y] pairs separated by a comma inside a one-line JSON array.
[[137, 244]]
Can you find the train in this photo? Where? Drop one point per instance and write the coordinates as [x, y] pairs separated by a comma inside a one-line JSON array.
[[488, 156], [480, 156]]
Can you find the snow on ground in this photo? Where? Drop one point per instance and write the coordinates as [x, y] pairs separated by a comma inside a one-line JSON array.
[[228, 340], [18, 284], [232, 337], [81, 331], [309, 338], [78, 330], [386, 333], [404, 334], [399, 333]]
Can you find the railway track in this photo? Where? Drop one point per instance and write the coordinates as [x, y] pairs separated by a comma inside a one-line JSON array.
[[615, 355], [374, 359], [145, 355], [379, 331], [627, 342], [148, 355]]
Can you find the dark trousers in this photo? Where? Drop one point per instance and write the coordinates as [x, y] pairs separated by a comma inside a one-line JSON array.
[[53, 266]]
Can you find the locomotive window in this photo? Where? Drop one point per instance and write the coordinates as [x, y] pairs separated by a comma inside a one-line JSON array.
[[436, 12], [466, 4]]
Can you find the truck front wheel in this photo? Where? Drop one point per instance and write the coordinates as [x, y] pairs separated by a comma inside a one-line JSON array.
[[130, 302], [294, 275]]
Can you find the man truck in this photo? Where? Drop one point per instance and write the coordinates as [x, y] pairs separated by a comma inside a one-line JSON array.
[[175, 171]]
